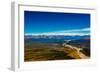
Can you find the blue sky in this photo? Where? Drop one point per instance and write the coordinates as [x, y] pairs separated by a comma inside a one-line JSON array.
[[51, 23]]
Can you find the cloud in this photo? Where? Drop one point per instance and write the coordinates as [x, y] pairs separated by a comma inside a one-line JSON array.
[[73, 32], [76, 30], [86, 29]]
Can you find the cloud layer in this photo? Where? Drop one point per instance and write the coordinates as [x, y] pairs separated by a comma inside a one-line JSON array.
[[73, 32]]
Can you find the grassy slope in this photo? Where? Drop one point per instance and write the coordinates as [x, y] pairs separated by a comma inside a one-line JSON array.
[[42, 52]]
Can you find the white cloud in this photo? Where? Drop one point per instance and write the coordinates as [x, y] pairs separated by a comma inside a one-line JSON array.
[[73, 32], [76, 30], [86, 29]]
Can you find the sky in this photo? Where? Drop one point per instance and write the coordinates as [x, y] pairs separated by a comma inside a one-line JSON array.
[[54, 23]]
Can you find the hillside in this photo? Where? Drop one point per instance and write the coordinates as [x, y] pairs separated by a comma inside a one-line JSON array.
[[45, 51]]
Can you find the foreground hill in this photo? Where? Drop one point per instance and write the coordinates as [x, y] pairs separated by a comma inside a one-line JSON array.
[[82, 43], [48, 51]]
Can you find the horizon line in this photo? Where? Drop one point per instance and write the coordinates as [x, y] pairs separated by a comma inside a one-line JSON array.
[[58, 34]]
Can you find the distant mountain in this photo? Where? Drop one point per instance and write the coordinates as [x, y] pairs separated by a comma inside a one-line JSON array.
[[56, 37]]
